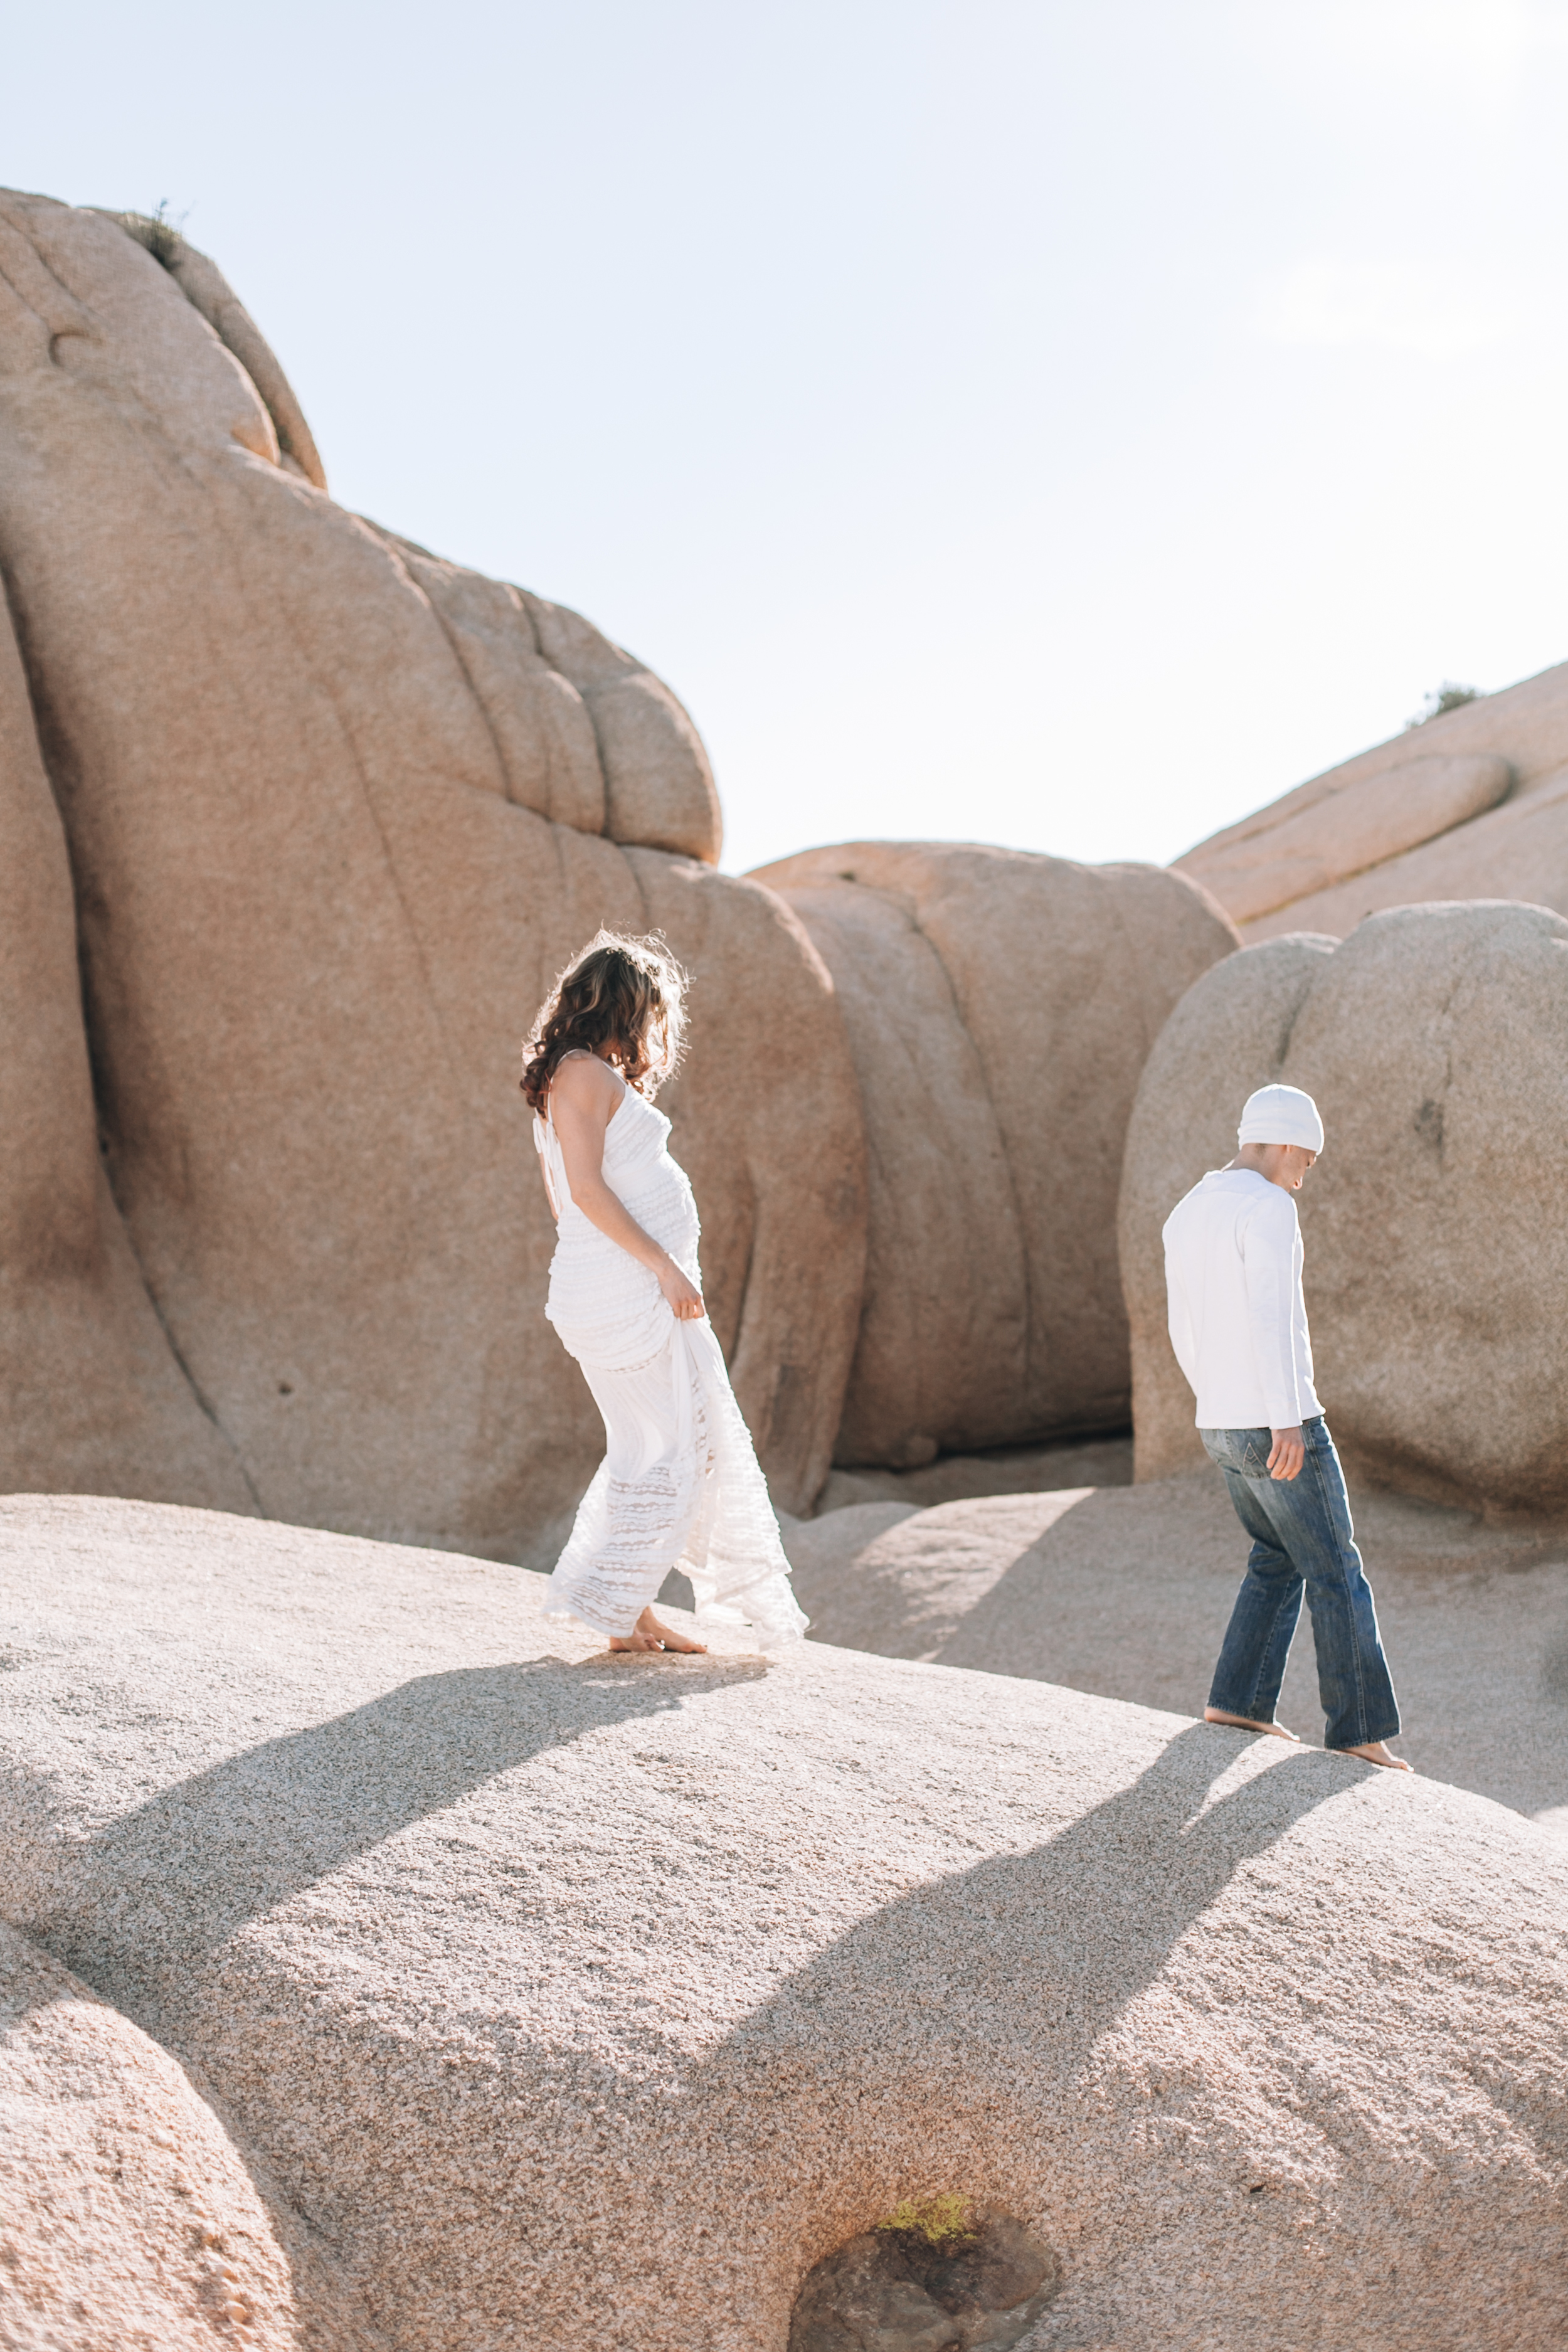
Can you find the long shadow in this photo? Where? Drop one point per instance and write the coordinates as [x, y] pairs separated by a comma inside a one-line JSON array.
[[957, 2036], [162, 1886], [1088, 1604], [1063, 1936]]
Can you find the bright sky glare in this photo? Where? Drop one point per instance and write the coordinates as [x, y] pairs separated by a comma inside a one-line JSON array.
[[1066, 424]]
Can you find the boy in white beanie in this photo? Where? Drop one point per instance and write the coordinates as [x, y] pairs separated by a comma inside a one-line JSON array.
[[1238, 1325]]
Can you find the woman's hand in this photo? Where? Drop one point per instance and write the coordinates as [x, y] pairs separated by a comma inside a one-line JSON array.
[[685, 1299]]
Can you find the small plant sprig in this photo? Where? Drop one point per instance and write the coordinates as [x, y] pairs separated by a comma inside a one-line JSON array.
[[940, 2220], [160, 235], [1444, 699]]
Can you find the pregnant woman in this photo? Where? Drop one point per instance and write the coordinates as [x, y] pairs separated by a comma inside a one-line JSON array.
[[678, 1486]]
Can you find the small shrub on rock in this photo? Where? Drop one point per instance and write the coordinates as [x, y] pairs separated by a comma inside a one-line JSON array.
[[157, 232], [1447, 696], [940, 2220]]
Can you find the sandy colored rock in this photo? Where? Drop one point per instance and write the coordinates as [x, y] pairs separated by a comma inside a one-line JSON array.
[[1128, 1592], [127, 2222], [1335, 840], [336, 813], [504, 1957], [93, 1395], [1472, 805], [1434, 1039], [1000, 1007], [1013, 1470], [204, 285]]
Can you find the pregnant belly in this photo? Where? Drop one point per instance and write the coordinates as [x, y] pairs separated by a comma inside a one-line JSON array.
[[663, 1207], [607, 1308]]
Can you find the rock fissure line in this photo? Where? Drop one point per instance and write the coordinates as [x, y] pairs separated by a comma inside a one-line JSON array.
[[1015, 1199], [203, 1401]]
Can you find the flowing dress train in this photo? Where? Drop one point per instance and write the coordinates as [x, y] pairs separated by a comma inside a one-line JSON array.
[[679, 1487]]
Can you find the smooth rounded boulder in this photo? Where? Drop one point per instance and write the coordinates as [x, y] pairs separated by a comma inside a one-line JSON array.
[[577, 2000], [307, 820], [127, 2221], [1000, 1006], [1434, 1040]]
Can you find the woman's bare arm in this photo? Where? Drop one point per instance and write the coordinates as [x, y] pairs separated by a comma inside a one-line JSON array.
[[584, 1096]]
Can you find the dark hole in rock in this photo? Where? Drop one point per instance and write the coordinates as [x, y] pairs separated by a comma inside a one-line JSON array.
[[894, 2291]]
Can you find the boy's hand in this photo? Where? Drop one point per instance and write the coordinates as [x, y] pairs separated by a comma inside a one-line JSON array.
[[1287, 1454]]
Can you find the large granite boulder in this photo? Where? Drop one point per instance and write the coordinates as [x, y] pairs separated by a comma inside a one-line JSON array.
[[1434, 1040], [577, 2002], [94, 1393], [127, 2222], [301, 823], [1000, 1007], [1471, 804]]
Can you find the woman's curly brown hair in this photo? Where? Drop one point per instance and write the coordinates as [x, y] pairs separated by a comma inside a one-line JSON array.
[[628, 994]]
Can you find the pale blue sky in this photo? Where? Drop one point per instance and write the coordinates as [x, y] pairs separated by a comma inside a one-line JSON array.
[[1066, 425]]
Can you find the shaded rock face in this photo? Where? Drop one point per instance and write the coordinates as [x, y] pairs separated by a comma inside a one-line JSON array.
[[127, 2217], [300, 823], [1471, 804], [1434, 1040], [500, 1957], [895, 2291], [1127, 1592], [1015, 1470], [1000, 1007]]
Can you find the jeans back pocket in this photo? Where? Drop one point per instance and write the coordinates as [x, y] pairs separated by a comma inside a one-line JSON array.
[[1244, 1451]]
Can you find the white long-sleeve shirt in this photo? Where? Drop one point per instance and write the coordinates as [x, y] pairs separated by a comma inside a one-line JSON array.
[[1237, 1318]]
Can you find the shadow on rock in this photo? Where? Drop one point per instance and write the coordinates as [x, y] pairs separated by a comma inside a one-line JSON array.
[[998, 1983], [1070, 1931], [173, 1880], [896, 2290]]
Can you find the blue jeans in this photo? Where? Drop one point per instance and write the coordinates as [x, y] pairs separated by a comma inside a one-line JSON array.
[[1302, 1540]]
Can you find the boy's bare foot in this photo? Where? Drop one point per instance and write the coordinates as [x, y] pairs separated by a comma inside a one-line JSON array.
[[1374, 1752], [1249, 1723], [647, 1633]]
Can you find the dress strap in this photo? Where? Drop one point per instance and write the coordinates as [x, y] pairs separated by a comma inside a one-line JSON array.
[[543, 1138], [547, 1140]]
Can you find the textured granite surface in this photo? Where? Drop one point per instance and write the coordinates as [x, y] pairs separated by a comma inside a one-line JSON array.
[[573, 2003]]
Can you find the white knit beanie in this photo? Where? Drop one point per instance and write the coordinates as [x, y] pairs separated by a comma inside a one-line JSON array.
[[1281, 1114]]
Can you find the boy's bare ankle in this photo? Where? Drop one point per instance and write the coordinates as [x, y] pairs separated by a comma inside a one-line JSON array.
[[1248, 1723], [1373, 1751]]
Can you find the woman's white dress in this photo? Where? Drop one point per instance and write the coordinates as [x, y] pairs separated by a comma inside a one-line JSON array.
[[680, 1485]]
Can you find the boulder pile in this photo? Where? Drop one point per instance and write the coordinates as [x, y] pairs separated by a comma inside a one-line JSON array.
[[573, 2000], [1000, 1007], [298, 825], [386, 1972]]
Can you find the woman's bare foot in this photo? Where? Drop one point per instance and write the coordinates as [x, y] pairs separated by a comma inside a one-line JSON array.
[[1374, 1752], [1248, 1723], [647, 1633]]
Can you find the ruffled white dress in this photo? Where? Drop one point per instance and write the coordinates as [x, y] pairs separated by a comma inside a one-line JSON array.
[[679, 1487]]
